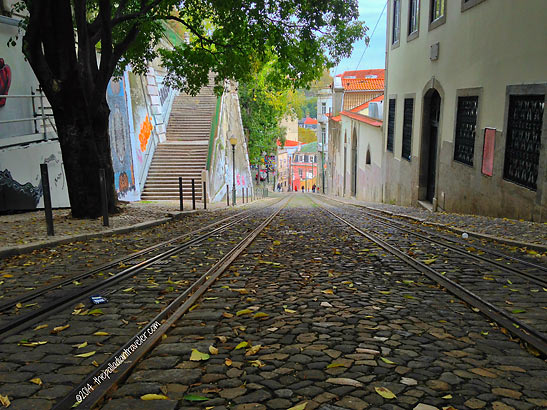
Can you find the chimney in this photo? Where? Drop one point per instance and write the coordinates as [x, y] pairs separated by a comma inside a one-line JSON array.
[[338, 96]]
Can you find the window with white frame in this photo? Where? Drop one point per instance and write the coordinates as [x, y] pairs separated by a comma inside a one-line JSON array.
[[396, 32], [414, 6]]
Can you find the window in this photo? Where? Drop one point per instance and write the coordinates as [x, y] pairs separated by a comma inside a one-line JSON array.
[[467, 4], [523, 142], [414, 6], [306, 158], [323, 135], [466, 124], [391, 124], [437, 9], [396, 34], [323, 108], [407, 128], [300, 173]]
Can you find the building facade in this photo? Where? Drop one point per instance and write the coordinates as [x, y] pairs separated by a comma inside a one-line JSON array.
[[464, 112], [324, 108]]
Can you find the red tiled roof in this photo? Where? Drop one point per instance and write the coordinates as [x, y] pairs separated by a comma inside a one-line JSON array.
[[362, 74], [362, 118], [310, 121], [365, 105], [289, 143], [368, 84], [338, 118]]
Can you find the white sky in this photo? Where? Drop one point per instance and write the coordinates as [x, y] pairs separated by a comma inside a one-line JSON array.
[[374, 57]]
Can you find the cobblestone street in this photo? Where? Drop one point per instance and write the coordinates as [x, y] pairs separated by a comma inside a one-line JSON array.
[[310, 315]]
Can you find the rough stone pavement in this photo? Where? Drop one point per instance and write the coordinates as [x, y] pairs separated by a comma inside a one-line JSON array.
[[315, 314]]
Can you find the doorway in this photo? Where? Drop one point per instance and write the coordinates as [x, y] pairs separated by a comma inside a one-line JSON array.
[[430, 136], [354, 164]]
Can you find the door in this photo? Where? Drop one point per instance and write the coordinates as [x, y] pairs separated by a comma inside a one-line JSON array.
[[354, 165], [434, 115]]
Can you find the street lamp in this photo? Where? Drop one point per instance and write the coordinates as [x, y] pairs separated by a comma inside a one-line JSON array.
[[233, 141]]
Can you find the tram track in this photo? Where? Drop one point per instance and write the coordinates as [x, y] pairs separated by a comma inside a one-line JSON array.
[[525, 329], [161, 323]]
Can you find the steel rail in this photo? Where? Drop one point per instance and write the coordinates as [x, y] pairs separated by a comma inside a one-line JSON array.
[[525, 332], [370, 211], [24, 321], [167, 318], [38, 292]]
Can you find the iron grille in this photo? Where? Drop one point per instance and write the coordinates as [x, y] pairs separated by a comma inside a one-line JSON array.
[[391, 125], [407, 128], [524, 124], [466, 124]]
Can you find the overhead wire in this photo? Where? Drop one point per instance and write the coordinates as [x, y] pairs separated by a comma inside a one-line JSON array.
[[370, 38]]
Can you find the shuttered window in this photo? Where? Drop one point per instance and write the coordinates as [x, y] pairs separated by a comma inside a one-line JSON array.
[[391, 124], [466, 124], [407, 128]]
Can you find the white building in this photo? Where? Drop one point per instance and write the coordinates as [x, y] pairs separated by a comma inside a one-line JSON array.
[[324, 107]]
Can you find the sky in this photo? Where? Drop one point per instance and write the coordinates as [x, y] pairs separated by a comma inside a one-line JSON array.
[[374, 57]]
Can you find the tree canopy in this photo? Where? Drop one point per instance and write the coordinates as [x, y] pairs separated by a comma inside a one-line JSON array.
[[227, 37]]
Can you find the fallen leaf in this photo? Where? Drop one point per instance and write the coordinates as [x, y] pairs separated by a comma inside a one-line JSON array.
[[36, 380], [386, 360], [276, 243], [31, 344], [518, 311], [258, 315], [152, 396], [228, 362], [95, 312], [243, 312], [88, 354], [227, 315], [59, 329], [5, 400], [257, 363], [40, 327], [213, 350], [448, 396], [429, 261], [84, 344], [253, 350], [330, 366], [222, 339], [196, 356], [242, 345], [328, 291], [19, 305], [101, 334], [194, 397], [385, 393], [300, 406], [290, 310], [345, 381]]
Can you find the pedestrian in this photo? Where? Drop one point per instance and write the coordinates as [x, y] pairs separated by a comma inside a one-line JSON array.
[[278, 187], [313, 188], [303, 188]]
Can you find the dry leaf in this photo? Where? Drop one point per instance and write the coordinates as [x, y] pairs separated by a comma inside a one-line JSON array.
[[253, 350], [345, 382], [213, 350], [88, 354], [386, 360], [242, 345], [196, 356], [101, 334], [385, 393], [59, 329], [4, 400], [227, 315], [37, 381], [84, 344], [40, 327], [258, 315], [243, 312], [290, 310], [222, 339], [154, 397], [228, 362], [300, 406]]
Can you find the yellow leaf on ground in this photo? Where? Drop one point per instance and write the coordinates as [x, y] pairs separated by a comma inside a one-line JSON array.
[[222, 339], [385, 393], [328, 292], [276, 243], [253, 350], [242, 345], [37, 381], [19, 305], [4, 400], [386, 360], [196, 356], [330, 366], [40, 327], [101, 334], [227, 315], [429, 261], [84, 344], [228, 362], [258, 315], [213, 350], [151, 396], [243, 312], [95, 312], [448, 396], [88, 354], [257, 363], [59, 329], [301, 406], [290, 310], [31, 344]]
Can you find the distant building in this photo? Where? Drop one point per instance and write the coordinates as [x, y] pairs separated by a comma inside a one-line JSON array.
[[303, 163], [324, 109], [465, 113], [309, 123]]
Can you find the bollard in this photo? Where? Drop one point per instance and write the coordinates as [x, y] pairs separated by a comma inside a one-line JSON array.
[[227, 195], [47, 199], [180, 194], [204, 195], [193, 194], [104, 196]]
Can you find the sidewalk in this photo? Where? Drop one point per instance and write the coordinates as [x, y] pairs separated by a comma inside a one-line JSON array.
[[513, 232]]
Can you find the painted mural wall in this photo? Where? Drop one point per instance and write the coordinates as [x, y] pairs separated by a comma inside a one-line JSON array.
[[21, 186], [120, 142], [16, 78]]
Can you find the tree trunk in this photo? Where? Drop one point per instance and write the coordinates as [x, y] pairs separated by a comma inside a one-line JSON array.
[[85, 145]]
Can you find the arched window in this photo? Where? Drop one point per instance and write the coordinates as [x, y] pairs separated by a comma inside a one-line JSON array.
[[368, 156]]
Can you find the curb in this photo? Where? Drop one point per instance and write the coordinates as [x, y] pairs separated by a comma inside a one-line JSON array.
[[534, 246], [22, 249]]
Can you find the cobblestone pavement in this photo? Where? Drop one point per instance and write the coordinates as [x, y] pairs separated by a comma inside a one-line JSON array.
[[315, 316], [517, 230], [41, 364]]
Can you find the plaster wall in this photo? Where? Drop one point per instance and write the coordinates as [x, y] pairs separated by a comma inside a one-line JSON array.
[[486, 48]]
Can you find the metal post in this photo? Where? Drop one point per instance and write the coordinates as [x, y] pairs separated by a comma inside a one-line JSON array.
[[43, 115], [227, 195], [34, 111], [204, 195], [193, 195], [47, 199], [104, 196], [234, 174], [180, 194]]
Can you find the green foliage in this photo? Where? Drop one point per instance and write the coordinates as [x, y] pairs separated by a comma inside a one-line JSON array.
[[306, 135], [262, 109]]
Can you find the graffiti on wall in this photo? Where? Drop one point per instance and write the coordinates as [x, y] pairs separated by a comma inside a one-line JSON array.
[[144, 135], [141, 121], [20, 179], [5, 80], [120, 142]]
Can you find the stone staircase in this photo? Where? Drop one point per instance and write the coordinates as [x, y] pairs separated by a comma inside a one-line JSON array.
[[184, 154]]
